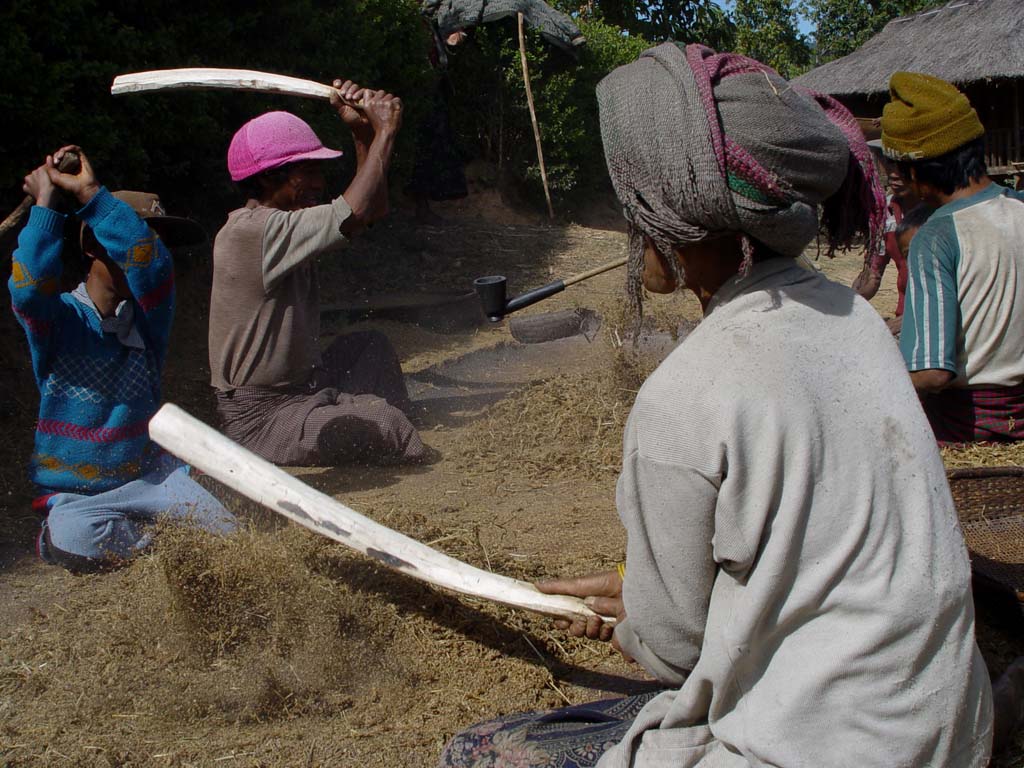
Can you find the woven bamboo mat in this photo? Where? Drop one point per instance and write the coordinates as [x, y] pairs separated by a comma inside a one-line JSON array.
[[990, 504]]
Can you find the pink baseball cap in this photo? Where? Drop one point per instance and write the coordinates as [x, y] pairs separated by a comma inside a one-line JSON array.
[[272, 140]]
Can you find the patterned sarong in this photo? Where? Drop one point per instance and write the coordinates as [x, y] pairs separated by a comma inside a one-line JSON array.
[[995, 414], [572, 737]]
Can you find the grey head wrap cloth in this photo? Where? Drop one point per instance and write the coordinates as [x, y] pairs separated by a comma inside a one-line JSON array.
[[699, 144], [452, 15]]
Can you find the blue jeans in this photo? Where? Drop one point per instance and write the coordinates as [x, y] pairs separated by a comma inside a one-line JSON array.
[[88, 533]]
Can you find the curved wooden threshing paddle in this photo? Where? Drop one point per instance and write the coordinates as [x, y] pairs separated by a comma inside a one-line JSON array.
[[225, 460], [209, 78]]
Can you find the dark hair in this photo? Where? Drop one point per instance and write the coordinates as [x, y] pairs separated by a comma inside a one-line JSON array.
[[952, 171], [914, 219], [74, 263], [252, 187], [761, 252]]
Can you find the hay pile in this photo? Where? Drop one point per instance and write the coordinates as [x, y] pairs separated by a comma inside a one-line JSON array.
[[242, 629], [281, 647], [569, 426], [983, 455]]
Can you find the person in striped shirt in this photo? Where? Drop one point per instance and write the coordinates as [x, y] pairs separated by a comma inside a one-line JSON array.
[[963, 328]]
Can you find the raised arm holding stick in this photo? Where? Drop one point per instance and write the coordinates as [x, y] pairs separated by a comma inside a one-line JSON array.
[[97, 356], [278, 393]]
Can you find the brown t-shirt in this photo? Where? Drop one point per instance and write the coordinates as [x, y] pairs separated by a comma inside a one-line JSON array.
[[265, 300]]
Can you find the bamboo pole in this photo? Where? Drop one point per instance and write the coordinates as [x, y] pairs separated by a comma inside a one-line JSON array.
[[1015, 140], [533, 117]]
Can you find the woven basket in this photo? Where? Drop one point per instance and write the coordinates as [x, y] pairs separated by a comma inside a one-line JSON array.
[[990, 504]]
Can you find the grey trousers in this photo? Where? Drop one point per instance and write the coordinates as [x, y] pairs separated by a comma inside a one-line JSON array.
[[351, 410]]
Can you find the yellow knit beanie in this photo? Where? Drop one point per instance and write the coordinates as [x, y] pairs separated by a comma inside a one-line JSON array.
[[926, 117]]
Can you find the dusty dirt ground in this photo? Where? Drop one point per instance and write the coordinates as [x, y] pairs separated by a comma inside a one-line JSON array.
[[279, 648]]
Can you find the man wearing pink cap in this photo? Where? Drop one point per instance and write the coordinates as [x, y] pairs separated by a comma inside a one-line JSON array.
[[277, 393]]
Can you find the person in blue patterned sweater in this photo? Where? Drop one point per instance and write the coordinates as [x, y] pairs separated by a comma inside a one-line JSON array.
[[97, 356]]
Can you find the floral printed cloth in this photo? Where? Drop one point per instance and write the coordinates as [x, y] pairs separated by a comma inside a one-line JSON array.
[[571, 737]]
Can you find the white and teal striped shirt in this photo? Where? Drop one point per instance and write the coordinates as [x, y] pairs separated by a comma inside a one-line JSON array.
[[965, 293]]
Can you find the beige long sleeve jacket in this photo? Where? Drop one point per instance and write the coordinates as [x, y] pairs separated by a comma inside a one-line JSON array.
[[795, 567]]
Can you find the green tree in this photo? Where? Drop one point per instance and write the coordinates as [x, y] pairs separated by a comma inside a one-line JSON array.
[[688, 21], [61, 56], [490, 115], [842, 26], [766, 30]]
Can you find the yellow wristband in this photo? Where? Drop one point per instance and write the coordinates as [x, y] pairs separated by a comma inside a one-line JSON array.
[[621, 568]]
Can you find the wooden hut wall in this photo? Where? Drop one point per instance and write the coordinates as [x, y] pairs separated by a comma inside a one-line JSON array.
[[999, 106]]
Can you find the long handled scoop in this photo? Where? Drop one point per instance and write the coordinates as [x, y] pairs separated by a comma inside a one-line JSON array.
[[225, 460], [212, 78], [491, 290]]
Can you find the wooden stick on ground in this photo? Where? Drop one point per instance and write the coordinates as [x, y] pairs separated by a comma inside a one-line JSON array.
[[615, 264], [227, 461], [533, 117], [68, 164]]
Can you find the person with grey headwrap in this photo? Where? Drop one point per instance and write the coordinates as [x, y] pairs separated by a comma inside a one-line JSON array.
[[795, 577]]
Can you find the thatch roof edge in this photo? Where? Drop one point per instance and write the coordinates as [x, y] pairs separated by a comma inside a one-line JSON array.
[[964, 41]]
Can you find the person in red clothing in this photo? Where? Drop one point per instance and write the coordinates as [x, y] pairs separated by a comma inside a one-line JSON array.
[[912, 220], [901, 198]]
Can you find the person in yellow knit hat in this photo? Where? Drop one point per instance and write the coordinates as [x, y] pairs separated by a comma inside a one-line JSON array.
[[963, 327]]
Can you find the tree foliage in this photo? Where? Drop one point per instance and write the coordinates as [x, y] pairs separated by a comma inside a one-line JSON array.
[[766, 30], [60, 57], [491, 116], [688, 21], [842, 26]]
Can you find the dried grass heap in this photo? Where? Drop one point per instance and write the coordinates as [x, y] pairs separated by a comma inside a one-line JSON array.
[[968, 455], [568, 426], [264, 645]]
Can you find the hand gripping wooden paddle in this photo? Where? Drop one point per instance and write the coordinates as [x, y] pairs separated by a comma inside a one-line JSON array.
[[68, 164], [206, 78], [226, 461]]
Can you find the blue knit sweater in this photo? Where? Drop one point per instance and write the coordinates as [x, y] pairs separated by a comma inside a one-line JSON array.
[[96, 393]]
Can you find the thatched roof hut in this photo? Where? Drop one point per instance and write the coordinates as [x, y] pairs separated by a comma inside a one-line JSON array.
[[977, 44]]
